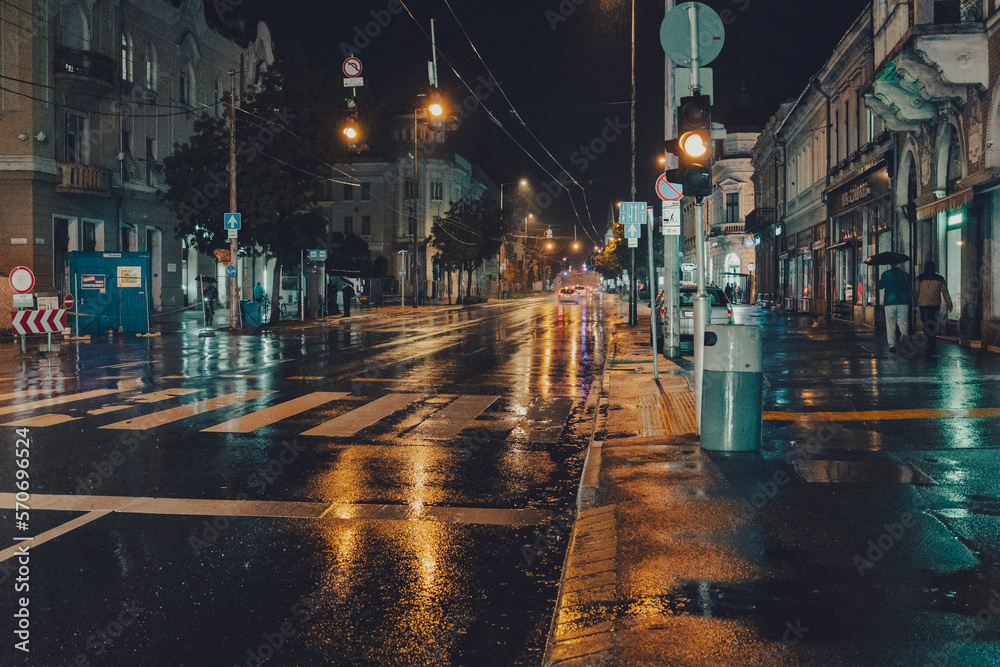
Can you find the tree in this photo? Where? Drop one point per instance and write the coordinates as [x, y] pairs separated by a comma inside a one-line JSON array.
[[279, 182], [470, 233]]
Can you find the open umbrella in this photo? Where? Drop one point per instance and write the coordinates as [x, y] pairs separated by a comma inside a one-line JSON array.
[[887, 258]]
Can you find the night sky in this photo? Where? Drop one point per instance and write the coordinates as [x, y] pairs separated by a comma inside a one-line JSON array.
[[566, 72]]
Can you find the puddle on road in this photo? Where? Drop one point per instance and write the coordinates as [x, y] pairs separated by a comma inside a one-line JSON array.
[[861, 472]]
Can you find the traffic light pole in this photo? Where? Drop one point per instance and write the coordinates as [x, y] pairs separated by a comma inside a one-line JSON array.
[[700, 298]]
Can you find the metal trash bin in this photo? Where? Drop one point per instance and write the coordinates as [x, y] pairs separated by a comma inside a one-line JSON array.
[[251, 314], [732, 388]]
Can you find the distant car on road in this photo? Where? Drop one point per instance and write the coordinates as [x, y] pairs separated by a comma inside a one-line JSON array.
[[567, 294]]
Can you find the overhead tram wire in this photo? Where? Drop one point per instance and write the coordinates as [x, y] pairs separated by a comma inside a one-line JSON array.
[[521, 120]]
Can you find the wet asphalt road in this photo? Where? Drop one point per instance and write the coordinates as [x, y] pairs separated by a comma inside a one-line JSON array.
[[347, 493]]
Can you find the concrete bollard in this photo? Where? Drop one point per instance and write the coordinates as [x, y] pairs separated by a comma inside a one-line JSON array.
[[732, 388]]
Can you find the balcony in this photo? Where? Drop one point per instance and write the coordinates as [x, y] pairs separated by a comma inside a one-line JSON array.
[[85, 65], [941, 52], [728, 228], [81, 178]]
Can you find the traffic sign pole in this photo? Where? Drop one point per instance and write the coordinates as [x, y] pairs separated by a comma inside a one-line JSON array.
[[234, 245], [652, 296]]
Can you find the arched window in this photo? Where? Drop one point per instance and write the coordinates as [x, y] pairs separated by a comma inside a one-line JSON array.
[[954, 169], [76, 30], [152, 71], [128, 56]]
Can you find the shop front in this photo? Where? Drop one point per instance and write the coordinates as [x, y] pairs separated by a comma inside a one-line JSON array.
[[861, 225]]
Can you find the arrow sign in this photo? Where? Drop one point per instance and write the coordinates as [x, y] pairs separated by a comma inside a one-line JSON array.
[[633, 231], [668, 191], [231, 220], [38, 321], [230, 271]]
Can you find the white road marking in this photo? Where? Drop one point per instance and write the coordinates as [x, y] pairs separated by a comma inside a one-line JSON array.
[[61, 529], [182, 412], [350, 423], [453, 418], [274, 413]]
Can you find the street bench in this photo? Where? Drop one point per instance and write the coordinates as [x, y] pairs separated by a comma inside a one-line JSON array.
[[364, 303]]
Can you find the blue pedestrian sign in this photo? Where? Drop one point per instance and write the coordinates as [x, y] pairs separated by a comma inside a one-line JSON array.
[[317, 255], [230, 271], [231, 220], [633, 217]]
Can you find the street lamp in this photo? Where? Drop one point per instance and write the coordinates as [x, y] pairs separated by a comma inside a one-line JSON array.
[[434, 110]]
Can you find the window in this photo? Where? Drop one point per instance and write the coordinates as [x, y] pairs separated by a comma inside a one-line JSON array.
[[183, 89], [128, 238], [215, 97], [348, 192], [836, 137], [74, 141], [409, 189], [437, 190], [150, 159], [366, 225], [89, 236], [348, 225], [366, 191], [732, 207], [871, 125], [847, 128], [127, 57], [151, 70]]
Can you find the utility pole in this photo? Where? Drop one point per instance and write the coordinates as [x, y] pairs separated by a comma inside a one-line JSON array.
[[234, 315], [633, 296], [701, 313]]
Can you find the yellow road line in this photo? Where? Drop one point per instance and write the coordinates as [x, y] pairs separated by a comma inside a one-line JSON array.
[[41, 421], [374, 380], [883, 415]]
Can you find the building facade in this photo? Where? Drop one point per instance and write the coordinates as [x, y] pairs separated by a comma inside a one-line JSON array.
[[890, 148], [391, 205], [95, 94]]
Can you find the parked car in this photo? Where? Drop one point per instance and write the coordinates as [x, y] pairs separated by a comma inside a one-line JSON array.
[[720, 311], [567, 294]]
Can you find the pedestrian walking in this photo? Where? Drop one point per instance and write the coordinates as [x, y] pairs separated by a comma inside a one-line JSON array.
[[931, 287], [739, 294], [729, 292], [896, 284], [348, 293], [258, 292]]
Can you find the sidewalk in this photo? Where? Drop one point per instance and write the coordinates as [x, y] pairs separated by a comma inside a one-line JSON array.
[[824, 549]]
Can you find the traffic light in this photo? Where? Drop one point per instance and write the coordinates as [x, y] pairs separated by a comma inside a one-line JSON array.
[[693, 146], [350, 131], [435, 110]]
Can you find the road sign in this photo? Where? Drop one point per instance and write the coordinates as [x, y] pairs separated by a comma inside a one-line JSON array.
[[633, 242], [675, 34], [352, 67], [402, 272], [668, 191], [22, 280], [317, 255], [751, 266], [632, 217], [24, 301], [354, 82], [68, 302], [671, 218], [230, 271], [231, 220], [38, 321], [548, 233], [232, 233]]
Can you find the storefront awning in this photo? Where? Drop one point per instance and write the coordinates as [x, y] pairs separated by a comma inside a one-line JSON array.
[[949, 203]]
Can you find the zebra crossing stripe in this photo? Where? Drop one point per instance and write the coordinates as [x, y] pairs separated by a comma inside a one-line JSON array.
[[183, 411], [267, 416], [21, 393], [453, 418], [59, 400], [41, 421], [350, 423]]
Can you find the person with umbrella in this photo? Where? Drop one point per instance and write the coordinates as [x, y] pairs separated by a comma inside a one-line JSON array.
[[931, 287], [896, 284]]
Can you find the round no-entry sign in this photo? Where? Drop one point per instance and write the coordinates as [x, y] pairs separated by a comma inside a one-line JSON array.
[[68, 302], [22, 280], [352, 67]]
